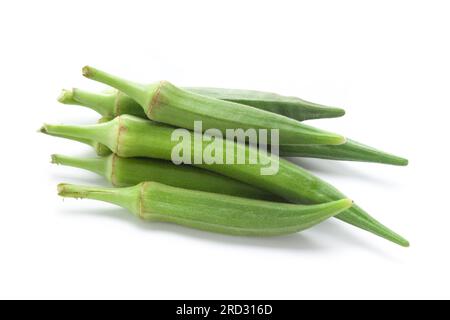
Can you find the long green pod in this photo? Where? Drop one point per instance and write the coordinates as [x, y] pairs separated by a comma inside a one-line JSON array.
[[126, 172], [130, 136], [351, 151], [99, 148], [115, 103], [163, 102], [209, 211]]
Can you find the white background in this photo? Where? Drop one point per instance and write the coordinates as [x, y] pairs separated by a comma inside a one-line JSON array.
[[386, 62]]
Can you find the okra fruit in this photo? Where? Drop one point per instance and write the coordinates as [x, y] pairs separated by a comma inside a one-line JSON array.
[[207, 211], [127, 172], [130, 136], [163, 102], [115, 103]]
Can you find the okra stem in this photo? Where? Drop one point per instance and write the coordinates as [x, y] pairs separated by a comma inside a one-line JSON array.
[[135, 137], [98, 102], [99, 148], [164, 102], [209, 211], [97, 165]]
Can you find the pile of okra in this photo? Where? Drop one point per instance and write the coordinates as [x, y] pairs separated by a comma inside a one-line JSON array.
[[135, 146]]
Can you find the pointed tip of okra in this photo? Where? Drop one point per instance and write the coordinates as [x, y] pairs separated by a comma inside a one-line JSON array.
[[333, 139], [347, 203], [402, 162], [330, 112], [339, 139], [337, 112], [68, 190], [66, 96]]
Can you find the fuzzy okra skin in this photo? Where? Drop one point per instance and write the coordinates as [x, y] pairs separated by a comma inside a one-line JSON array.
[[350, 151], [115, 103], [209, 211], [163, 102], [126, 172], [130, 136]]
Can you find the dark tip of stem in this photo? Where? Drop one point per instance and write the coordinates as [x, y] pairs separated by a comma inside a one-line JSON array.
[[66, 96], [87, 71], [43, 129], [54, 159]]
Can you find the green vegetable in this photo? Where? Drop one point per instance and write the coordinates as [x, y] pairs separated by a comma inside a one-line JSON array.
[[163, 102], [125, 172], [350, 150], [209, 211], [130, 136], [114, 103]]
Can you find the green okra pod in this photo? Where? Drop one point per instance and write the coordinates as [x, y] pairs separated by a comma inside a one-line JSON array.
[[127, 172], [115, 103], [163, 102], [209, 211], [130, 136]]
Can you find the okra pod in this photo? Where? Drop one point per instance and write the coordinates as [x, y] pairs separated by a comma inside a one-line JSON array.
[[163, 102], [209, 211], [127, 172], [130, 136], [115, 103]]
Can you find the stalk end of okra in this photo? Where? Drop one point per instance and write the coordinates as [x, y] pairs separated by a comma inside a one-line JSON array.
[[63, 191], [42, 129], [66, 96], [87, 71], [54, 159]]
